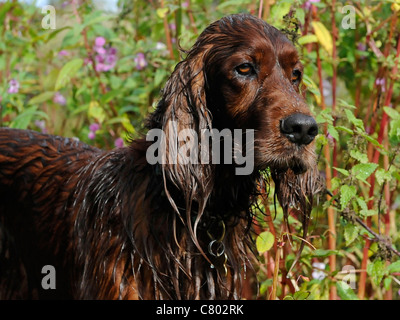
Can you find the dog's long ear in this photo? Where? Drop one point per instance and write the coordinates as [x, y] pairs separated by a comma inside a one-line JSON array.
[[184, 118]]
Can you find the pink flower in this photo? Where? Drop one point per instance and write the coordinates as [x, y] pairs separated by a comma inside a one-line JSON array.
[[308, 3], [381, 82], [140, 61], [106, 58], [361, 46], [94, 127], [100, 50], [63, 53], [87, 61], [100, 42], [59, 98], [13, 86], [41, 124], [119, 143]]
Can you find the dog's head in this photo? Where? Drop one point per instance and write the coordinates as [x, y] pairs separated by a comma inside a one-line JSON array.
[[252, 74]]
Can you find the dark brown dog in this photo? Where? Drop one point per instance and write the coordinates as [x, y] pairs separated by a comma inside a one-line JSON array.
[[115, 226]]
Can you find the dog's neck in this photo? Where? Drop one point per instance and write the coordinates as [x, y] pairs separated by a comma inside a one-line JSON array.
[[221, 232]]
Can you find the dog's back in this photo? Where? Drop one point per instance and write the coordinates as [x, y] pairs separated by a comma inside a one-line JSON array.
[[37, 174]]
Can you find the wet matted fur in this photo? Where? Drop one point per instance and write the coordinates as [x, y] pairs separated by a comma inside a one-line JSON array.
[[116, 227]]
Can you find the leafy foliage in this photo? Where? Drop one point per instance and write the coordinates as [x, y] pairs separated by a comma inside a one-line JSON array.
[[99, 73]]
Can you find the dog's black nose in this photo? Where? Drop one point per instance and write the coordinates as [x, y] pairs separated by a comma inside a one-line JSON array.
[[299, 128]]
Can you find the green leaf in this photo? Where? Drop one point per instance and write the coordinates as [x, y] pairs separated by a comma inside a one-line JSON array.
[[336, 182], [301, 295], [376, 270], [345, 129], [162, 12], [308, 39], [73, 36], [103, 31], [264, 241], [4, 8], [265, 285], [350, 233], [159, 77], [392, 113], [393, 267], [23, 120], [96, 111], [387, 282], [346, 194], [95, 17], [363, 170], [362, 157], [365, 212], [56, 32], [301, 15], [342, 171], [344, 103], [325, 116], [225, 4], [124, 120], [110, 95], [67, 72], [358, 123], [323, 35], [382, 175], [372, 140], [50, 80], [394, 132], [41, 97], [321, 253], [368, 212], [333, 132], [345, 292]]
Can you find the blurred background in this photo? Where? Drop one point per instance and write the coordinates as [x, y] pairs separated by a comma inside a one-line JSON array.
[[93, 70]]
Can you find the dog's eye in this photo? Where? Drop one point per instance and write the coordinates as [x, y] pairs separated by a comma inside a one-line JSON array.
[[296, 76], [245, 69]]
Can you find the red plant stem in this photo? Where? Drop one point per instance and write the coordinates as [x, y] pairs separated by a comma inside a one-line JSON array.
[[375, 159], [260, 9], [331, 214], [334, 78], [388, 294], [267, 9], [168, 35], [334, 68], [276, 271], [191, 18], [328, 174]]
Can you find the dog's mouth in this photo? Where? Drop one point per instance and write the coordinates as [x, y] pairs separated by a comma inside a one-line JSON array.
[[294, 163], [281, 156], [298, 166]]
